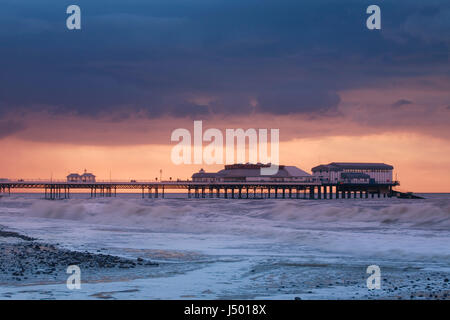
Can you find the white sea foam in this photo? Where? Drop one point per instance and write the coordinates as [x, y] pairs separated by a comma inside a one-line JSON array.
[[371, 228], [194, 215]]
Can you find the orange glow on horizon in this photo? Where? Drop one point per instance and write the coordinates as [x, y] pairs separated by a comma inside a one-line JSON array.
[[421, 163]]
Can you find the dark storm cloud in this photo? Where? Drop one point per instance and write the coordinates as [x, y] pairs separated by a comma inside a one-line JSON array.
[[401, 102], [8, 128], [161, 58]]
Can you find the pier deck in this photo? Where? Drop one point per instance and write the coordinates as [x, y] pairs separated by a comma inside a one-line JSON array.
[[233, 190]]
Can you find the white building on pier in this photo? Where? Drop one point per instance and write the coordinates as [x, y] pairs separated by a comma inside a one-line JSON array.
[[353, 172], [85, 177]]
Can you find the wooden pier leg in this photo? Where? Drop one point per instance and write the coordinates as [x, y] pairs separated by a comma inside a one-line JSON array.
[[232, 193], [284, 192], [311, 192], [163, 192], [45, 192], [360, 194], [115, 192], [297, 195], [367, 194], [276, 193], [218, 192], [254, 192], [189, 192], [319, 192], [378, 192], [203, 192], [354, 194], [156, 192], [373, 194], [247, 192], [225, 190], [143, 190], [240, 193]]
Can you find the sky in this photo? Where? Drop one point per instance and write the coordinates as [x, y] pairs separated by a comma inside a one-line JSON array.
[[107, 97]]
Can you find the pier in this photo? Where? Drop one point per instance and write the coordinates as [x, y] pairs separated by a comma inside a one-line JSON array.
[[193, 189]]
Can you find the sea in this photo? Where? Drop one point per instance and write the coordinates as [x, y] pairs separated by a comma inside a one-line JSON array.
[[243, 248]]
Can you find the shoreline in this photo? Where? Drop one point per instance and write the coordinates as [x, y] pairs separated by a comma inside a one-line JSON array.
[[27, 261]]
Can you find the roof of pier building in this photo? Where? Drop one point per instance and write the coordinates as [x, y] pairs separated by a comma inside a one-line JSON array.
[[252, 170], [73, 175]]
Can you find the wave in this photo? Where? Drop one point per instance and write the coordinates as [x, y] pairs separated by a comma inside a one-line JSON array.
[[393, 228], [204, 214]]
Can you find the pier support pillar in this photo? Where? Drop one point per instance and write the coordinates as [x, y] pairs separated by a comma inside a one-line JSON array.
[[319, 192], [311, 192]]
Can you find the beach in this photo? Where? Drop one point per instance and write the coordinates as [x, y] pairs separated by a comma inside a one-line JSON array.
[[131, 248]]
